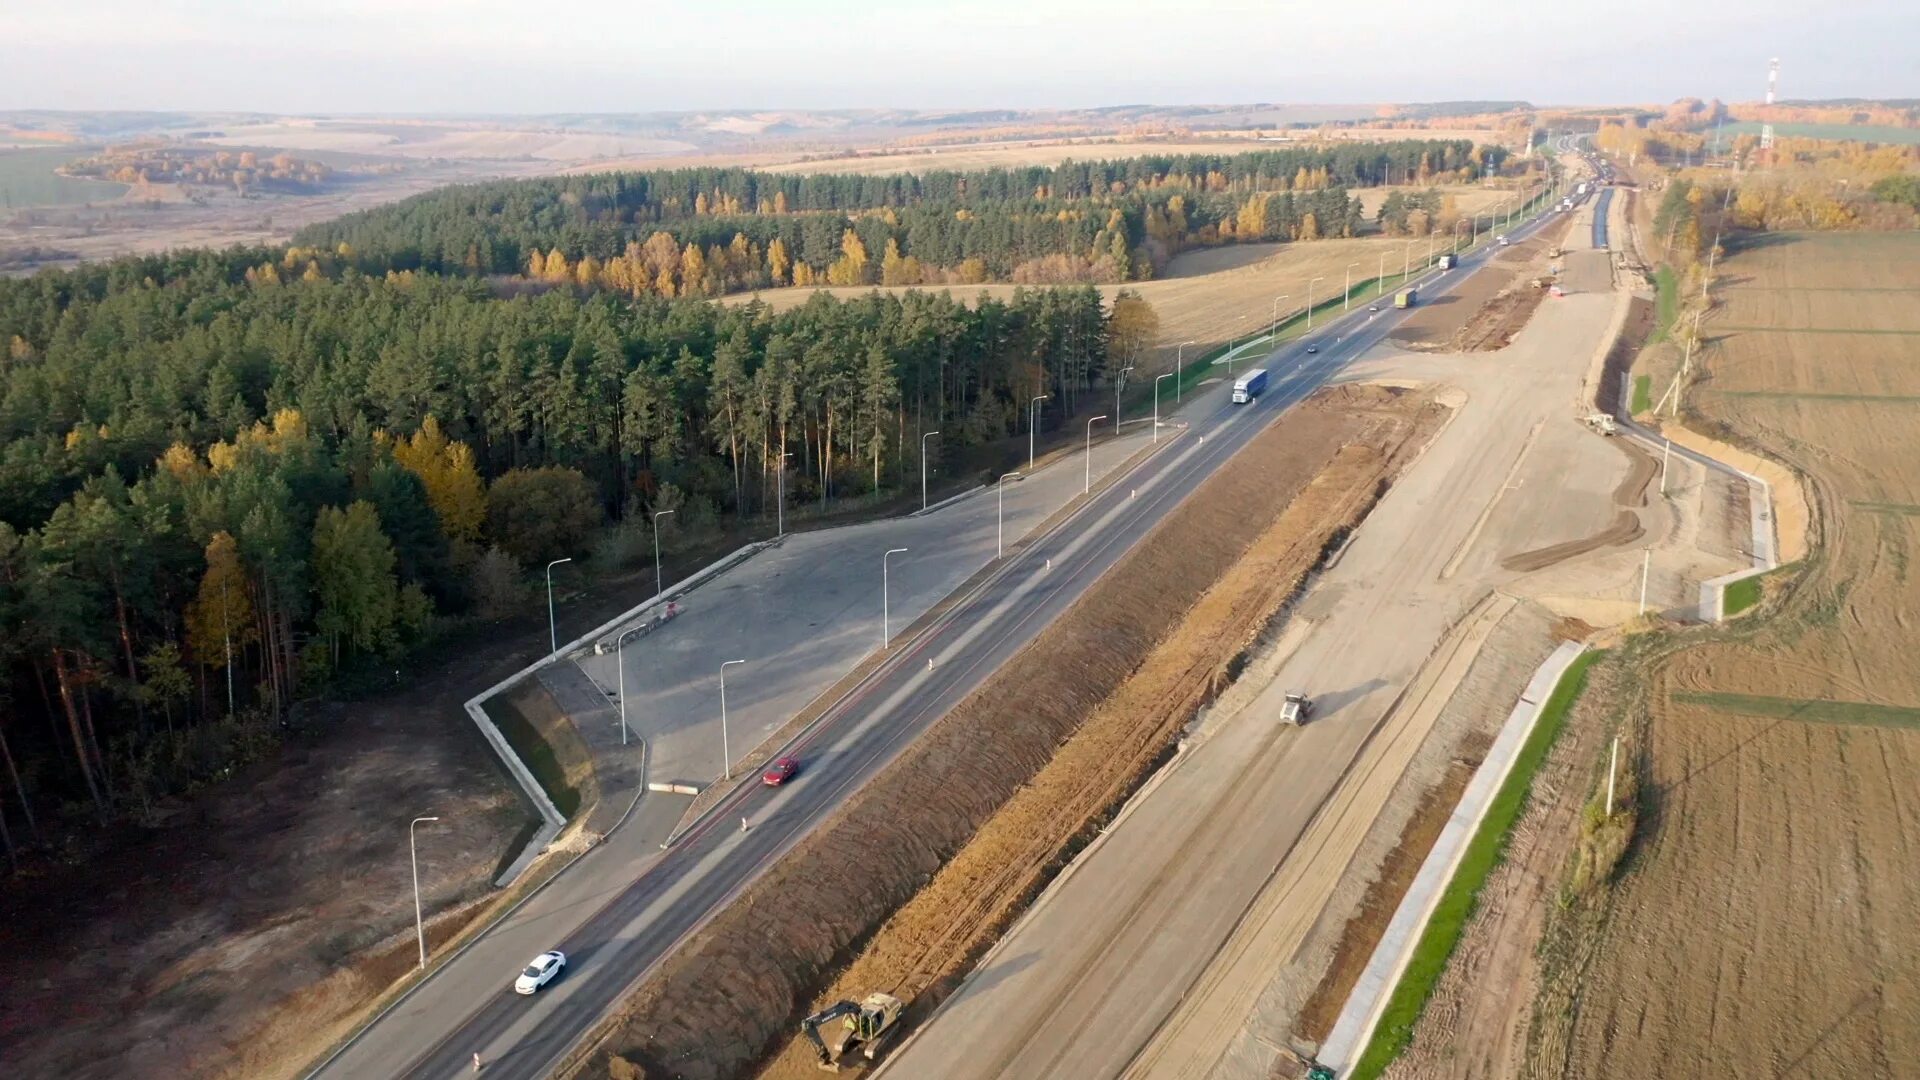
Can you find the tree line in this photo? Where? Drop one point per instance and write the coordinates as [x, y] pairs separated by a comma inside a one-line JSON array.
[[708, 231], [221, 487]]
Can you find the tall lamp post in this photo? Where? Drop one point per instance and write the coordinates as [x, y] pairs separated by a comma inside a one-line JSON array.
[[657, 590], [1406, 261], [1382, 279], [1456, 232], [1086, 486], [1000, 520], [419, 923], [1031, 405], [780, 496], [1310, 285], [1118, 382], [1156, 405], [553, 634], [726, 751], [923, 467], [1276, 316], [1179, 367], [886, 612], [620, 661], [1346, 294]]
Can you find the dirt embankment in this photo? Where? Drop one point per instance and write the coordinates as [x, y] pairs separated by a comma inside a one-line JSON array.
[[1124, 668]]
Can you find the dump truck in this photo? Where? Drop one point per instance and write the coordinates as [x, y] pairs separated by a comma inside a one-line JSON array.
[[1405, 298], [865, 1025], [1249, 386], [1295, 709], [1600, 422]]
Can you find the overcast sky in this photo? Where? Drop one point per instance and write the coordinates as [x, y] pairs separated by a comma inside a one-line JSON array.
[[418, 56]]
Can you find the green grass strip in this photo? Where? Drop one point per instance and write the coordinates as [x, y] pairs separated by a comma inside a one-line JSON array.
[[1667, 305], [1740, 596], [1806, 709], [1484, 852], [535, 752], [1642, 394]]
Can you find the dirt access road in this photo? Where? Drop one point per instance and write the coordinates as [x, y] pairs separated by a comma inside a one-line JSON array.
[[1764, 924], [1132, 963]]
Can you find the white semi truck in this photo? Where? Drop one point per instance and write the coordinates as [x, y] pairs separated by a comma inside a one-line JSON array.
[[1249, 386]]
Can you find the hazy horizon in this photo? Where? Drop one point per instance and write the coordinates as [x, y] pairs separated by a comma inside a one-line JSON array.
[[440, 57]]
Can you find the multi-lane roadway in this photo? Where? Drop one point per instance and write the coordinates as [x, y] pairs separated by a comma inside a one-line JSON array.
[[636, 927]]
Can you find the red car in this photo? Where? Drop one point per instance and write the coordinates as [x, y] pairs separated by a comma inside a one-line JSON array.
[[780, 771]]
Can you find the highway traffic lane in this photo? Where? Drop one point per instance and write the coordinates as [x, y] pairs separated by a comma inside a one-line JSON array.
[[722, 859], [1317, 368]]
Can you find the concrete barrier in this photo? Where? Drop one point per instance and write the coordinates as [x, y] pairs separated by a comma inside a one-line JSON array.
[[1361, 1014], [673, 787]]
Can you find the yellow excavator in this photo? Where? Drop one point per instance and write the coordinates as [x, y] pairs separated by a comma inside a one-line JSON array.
[[865, 1025]]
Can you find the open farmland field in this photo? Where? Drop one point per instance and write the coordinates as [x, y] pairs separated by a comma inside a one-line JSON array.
[[1764, 924], [1015, 154], [1206, 296]]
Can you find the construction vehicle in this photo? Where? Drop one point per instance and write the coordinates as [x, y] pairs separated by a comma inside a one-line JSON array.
[[866, 1024], [1405, 298], [1554, 252], [1601, 423], [1296, 709]]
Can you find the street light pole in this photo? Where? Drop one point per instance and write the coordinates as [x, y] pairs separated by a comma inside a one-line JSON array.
[[553, 635], [1382, 279], [656, 553], [1346, 294], [1087, 485], [1156, 405], [886, 611], [1406, 261], [726, 750], [1456, 233], [780, 490], [1119, 382], [620, 661], [1310, 302], [1276, 320], [923, 467], [413, 856], [1179, 367], [1000, 520], [1030, 426]]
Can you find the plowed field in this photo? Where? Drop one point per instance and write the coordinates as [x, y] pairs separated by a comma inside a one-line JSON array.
[[1765, 925]]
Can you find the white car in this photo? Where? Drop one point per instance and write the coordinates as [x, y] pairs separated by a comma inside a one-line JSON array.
[[544, 969]]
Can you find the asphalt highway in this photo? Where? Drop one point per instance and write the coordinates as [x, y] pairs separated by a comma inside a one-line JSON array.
[[639, 926]]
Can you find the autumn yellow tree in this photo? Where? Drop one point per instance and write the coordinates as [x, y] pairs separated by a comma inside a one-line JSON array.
[[445, 467], [851, 267], [220, 617], [778, 263]]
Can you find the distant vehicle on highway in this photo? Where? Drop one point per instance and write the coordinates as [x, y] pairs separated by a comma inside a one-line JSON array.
[[780, 771], [1313, 348], [1406, 298], [544, 969], [1501, 239]]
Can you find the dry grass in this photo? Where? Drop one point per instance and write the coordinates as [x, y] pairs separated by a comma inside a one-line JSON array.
[[1762, 926], [1208, 297]]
